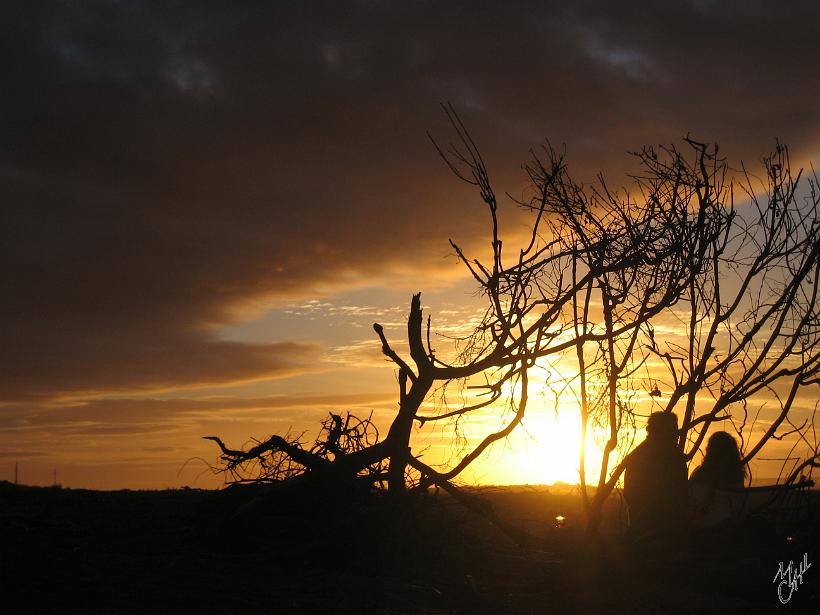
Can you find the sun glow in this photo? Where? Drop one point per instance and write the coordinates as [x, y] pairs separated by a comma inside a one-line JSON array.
[[545, 449]]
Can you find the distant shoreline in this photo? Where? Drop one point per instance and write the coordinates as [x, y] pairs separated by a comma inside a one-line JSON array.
[[558, 488]]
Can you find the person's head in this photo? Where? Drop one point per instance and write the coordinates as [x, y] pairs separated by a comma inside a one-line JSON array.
[[662, 426], [723, 461], [722, 447]]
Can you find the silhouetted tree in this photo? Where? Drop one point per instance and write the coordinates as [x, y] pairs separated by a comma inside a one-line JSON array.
[[598, 273], [744, 331]]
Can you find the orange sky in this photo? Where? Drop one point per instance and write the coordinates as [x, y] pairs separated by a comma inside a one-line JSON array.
[[206, 208]]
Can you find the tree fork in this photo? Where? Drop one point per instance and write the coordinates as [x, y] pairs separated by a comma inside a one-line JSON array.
[[398, 438]]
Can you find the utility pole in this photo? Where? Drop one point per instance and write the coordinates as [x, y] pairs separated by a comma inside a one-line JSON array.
[[15, 472], [55, 477]]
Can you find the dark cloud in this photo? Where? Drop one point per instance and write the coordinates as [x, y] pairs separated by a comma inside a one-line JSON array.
[[91, 363], [164, 164]]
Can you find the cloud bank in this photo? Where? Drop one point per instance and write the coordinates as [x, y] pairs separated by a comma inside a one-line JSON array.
[[164, 166]]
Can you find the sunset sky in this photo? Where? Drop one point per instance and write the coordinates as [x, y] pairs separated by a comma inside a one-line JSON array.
[[205, 206]]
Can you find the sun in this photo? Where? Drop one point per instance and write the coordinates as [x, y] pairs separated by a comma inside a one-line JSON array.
[[544, 450]]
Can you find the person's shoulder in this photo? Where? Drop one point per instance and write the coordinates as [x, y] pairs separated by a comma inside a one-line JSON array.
[[637, 454]]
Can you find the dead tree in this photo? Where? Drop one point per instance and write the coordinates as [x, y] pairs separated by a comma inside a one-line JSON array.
[[598, 273], [642, 256]]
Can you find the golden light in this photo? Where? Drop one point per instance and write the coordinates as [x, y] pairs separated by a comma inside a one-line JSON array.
[[544, 450]]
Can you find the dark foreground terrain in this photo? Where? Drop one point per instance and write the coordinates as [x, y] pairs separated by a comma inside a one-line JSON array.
[[192, 551]]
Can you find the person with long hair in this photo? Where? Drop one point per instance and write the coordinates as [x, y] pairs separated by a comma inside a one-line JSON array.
[[712, 482], [722, 466]]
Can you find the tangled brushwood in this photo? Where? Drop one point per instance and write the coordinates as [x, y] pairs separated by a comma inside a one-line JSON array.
[[281, 458]]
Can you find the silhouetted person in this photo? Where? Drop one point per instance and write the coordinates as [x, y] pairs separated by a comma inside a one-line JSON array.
[[722, 469], [655, 484], [722, 466]]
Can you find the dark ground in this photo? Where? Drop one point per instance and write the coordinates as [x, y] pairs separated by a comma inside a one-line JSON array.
[[192, 551]]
